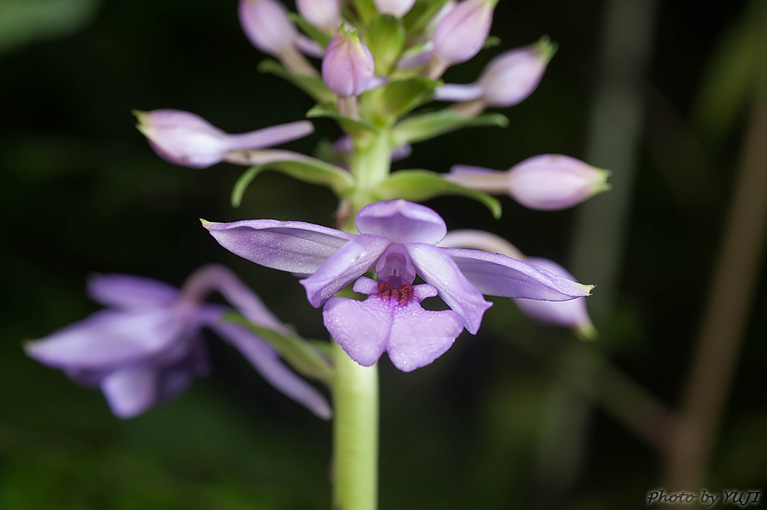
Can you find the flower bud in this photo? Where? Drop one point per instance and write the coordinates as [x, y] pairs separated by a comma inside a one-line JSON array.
[[324, 14], [547, 182], [512, 76], [551, 182], [396, 8], [348, 65], [463, 31], [183, 138], [266, 25], [187, 139]]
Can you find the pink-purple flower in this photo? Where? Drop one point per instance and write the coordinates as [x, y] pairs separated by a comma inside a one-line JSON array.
[[147, 347], [397, 239]]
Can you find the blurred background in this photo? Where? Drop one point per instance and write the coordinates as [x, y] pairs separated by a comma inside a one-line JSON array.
[[520, 416]]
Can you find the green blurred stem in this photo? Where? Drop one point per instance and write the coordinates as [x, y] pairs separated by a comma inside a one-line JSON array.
[[355, 434], [355, 393]]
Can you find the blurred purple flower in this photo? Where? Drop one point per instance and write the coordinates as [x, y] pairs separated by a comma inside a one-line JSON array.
[[398, 239], [147, 347], [187, 139]]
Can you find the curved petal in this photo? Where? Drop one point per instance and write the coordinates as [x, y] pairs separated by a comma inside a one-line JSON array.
[[566, 314], [131, 391], [129, 291], [402, 222], [347, 264], [437, 268], [110, 338], [497, 275], [268, 364], [292, 246], [214, 277]]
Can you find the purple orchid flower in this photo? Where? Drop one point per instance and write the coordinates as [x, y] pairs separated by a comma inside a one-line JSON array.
[[147, 347], [398, 239]]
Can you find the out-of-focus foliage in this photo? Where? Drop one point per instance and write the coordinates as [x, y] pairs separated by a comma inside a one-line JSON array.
[[22, 21]]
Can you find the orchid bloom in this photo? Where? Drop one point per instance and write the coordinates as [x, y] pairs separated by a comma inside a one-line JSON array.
[[147, 347], [399, 240]]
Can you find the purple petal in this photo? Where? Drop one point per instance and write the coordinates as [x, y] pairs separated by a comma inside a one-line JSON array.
[[455, 92], [413, 337], [497, 275], [268, 364], [566, 314], [129, 291], [214, 277], [274, 135], [437, 268], [131, 391], [347, 264], [401, 222], [111, 338], [292, 246]]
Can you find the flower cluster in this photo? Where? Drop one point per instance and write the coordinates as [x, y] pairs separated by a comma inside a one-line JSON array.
[[380, 61]]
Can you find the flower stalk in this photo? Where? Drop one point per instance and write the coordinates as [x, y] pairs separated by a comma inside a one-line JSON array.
[[355, 434]]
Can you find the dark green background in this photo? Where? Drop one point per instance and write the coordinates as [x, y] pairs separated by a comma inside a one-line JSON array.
[[81, 191]]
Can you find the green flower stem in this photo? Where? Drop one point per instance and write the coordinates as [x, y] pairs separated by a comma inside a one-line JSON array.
[[370, 163], [355, 388], [355, 434]]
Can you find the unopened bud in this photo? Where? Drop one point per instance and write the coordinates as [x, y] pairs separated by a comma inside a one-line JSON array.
[[547, 182], [462, 32], [512, 76], [348, 65], [324, 14], [187, 139], [267, 26], [552, 182], [396, 8]]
